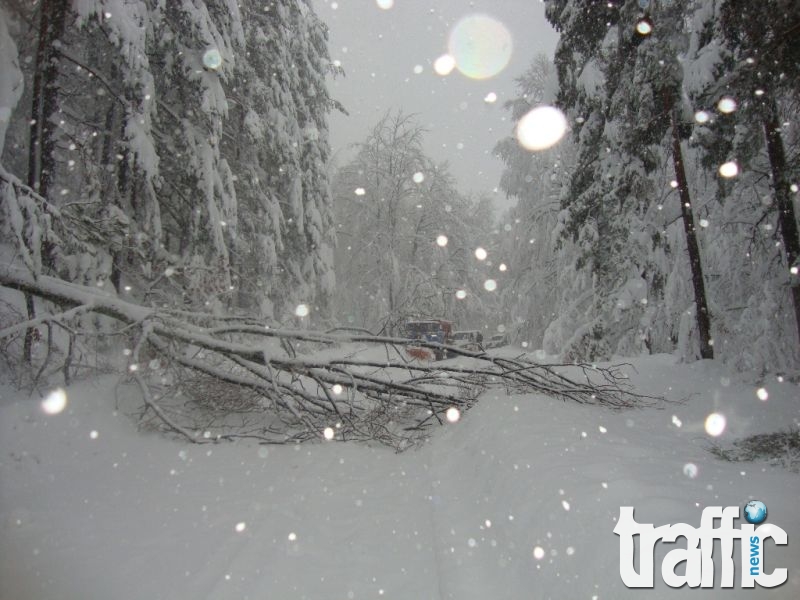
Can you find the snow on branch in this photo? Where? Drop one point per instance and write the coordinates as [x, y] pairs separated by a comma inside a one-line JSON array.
[[37, 226], [24, 213], [224, 379]]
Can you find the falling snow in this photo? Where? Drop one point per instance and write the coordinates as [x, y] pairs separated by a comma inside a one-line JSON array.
[[453, 414], [729, 169], [212, 59], [727, 105], [702, 117], [690, 470], [480, 45], [715, 424], [644, 27], [55, 402], [444, 65], [541, 128], [250, 205]]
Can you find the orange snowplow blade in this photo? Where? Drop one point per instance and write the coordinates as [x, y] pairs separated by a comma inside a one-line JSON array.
[[420, 353]]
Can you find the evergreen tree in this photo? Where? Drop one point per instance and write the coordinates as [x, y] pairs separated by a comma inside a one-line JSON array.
[[679, 91], [278, 150], [741, 76], [763, 42], [610, 203], [147, 107]]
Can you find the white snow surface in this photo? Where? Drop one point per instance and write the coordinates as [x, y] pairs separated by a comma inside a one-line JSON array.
[[91, 508]]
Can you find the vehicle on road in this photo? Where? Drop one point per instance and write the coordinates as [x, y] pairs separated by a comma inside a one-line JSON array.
[[471, 339], [497, 341], [430, 330]]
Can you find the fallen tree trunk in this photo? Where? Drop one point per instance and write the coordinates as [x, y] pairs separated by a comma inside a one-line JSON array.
[[235, 384]]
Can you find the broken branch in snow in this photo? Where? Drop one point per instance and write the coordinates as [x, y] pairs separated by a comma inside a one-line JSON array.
[[47, 318], [242, 383]]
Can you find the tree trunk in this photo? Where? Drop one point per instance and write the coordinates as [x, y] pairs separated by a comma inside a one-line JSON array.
[[44, 104], [786, 218], [41, 163], [703, 318], [30, 332], [41, 170]]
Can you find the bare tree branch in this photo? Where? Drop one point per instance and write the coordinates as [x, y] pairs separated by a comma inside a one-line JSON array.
[[280, 397]]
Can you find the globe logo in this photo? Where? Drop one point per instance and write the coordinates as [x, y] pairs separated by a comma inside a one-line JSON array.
[[755, 512]]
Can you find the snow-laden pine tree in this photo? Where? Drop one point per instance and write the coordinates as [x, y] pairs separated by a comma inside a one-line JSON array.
[[189, 140], [308, 257], [11, 81], [741, 76], [610, 205], [195, 45], [278, 149], [15, 210], [684, 162]]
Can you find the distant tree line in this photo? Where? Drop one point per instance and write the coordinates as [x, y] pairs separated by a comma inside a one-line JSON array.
[[407, 237]]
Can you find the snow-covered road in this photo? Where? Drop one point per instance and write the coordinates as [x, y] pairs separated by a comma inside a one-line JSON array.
[[516, 500]]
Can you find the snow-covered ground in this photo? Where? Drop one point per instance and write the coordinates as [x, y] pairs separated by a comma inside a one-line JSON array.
[[516, 500]]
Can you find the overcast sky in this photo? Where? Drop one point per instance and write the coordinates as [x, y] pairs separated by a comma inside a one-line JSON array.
[[382, 50]]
